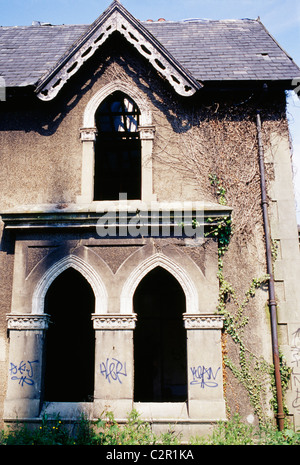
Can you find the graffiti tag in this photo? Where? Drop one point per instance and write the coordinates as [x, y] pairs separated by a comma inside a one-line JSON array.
[[23, 373], [295, 348], [112, 369], [204, 376]]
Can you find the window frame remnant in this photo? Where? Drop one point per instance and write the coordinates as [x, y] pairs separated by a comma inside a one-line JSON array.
[[117, 149]]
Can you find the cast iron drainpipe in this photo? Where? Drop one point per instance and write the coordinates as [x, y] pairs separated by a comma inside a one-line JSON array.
[[272, 298]]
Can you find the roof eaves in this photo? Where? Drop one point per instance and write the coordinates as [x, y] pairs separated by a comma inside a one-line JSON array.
[[116, 18]]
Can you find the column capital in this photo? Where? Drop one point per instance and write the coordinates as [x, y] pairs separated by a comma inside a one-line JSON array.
[[203, 321], [114, 321], [27, 322], [88, 134], [147, 132]]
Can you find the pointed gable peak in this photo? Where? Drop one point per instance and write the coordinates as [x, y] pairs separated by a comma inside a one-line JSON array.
[[116, 18]]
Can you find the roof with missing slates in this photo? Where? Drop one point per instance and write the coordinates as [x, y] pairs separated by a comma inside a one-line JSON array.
[[209, 50]]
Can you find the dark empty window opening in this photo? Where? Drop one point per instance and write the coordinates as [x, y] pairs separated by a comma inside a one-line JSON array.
[[117, 149], [160, 355], [70, 340]]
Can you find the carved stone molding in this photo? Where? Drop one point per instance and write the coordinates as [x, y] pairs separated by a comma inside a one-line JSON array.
[[147, 132], [134, 93], [169, 265], [88, 134], [114, 321], [203, 321], [56, 269], [27, 322]]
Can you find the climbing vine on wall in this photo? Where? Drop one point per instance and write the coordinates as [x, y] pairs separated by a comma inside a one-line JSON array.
[[213, 148], [253, 372]]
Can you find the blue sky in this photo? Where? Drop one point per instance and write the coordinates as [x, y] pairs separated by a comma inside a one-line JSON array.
[[280, 17]]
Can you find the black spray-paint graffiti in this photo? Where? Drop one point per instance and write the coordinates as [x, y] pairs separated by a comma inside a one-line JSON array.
[[24, 372], [112, 369], [204, 376]]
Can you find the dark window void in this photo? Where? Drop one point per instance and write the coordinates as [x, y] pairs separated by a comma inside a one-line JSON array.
[[70, 342], [160, 358], [117, 149]]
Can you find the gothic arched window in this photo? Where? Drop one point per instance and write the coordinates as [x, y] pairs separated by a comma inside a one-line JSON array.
[[70, 346], [117, 149], [160, 344]]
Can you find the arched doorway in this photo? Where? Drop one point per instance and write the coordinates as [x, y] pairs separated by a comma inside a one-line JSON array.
[[70, 342], [160, 354]]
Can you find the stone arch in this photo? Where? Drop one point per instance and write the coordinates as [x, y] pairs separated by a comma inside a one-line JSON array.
[[159, 339], [159, 260], [69, 367], [82, 267], [126, 88], [89, 136]]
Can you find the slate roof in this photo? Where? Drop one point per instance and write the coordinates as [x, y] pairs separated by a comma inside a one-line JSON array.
[[225, 49], [210, 50], [27, 52]]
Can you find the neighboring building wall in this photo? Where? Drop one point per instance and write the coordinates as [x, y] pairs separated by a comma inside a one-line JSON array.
[[284, 233]]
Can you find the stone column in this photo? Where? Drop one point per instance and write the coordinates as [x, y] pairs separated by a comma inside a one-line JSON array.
[[147, 136], [88, 138], [25, 368], [114, 364], [205, 373]]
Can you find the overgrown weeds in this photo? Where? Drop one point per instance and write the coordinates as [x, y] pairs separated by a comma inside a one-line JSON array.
[[50, 432], [237, 433], [107, 431]]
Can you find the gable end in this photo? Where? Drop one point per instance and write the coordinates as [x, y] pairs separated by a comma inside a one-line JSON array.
[[117, 18]]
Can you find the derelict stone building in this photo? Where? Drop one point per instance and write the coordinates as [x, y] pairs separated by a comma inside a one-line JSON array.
[[148, 235]]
